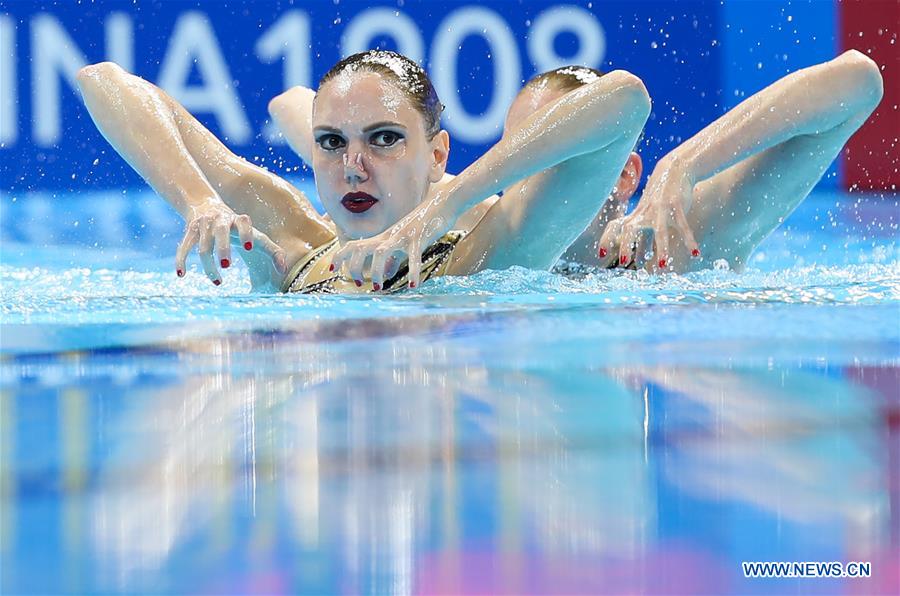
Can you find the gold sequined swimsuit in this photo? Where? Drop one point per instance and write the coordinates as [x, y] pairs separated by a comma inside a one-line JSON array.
[[311, 275]]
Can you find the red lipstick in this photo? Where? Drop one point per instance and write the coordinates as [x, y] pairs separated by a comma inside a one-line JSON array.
[[358, 202]]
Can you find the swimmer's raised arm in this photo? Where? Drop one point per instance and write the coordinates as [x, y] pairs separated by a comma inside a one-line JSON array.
[[582, 122], [214, 190], [608, 113], [810, 101], [292, 112], [733, 182]]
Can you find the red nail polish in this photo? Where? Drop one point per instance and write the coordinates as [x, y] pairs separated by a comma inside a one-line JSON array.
[[180, 273], [662, 263], [376, 287], [357, 282], [331, 267], [412, 284], [225, 263], [623, 259], [248, 246], [217, 281], [602, 252], [695, 252]]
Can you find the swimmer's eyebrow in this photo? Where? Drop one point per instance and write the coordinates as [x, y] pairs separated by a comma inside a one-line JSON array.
[[383, 124], [369, 128], [327, 129]]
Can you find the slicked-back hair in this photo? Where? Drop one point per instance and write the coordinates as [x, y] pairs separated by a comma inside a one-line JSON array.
[[409, 76], [565, 78]]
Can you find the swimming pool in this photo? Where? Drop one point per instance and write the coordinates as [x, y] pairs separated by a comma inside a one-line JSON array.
[[515, 431]]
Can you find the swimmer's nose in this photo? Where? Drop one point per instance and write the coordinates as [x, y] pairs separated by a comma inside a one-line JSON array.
[[355, 167]]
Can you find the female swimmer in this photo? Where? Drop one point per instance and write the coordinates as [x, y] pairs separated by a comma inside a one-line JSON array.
[[377, 153]]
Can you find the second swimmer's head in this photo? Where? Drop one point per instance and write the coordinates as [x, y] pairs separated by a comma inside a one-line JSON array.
[[547, 87], [378, 141]]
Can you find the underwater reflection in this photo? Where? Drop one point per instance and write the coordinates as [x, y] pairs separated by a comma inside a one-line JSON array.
[[262, 462]]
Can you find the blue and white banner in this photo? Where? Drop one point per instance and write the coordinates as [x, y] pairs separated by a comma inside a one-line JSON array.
[[225, 60]]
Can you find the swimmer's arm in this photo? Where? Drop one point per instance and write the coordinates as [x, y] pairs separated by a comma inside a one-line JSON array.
[[809, 102], [188, 166], [583, 121], [586, 135], [138, 121], [767, 186], [292, 112], [724, 190]]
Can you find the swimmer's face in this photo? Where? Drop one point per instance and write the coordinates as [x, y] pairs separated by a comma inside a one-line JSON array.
[[372, 159], [528, 101]]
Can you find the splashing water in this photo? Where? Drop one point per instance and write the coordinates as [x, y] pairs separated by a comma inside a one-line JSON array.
[[849, 264]]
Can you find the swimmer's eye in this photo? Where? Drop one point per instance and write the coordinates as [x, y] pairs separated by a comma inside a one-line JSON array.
[[385, 138], [330, 142]]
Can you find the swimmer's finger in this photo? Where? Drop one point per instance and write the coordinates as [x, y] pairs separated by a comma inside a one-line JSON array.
[[222, 236], [378, 266], [662, 242], [275, 252], [627, 243], [244, 228], [355, 267], [205, 248], [209, 266], [205, 242], [643, 251], [686, 233], [391, 266], [337, 260], [608, 251], [415, 263], [191, 235]]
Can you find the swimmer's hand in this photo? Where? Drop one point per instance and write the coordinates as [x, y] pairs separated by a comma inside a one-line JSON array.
[[657, 230], [409, 236], [211, 228]]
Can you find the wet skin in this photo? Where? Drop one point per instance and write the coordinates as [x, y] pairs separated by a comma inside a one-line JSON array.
[[370, 139]]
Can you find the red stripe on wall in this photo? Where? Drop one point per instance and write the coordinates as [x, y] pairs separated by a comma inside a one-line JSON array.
[[872, 156]]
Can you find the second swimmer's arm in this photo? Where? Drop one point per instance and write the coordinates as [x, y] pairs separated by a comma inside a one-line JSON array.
[[583, 121], [292, 112], [729, 186], [810, 101]]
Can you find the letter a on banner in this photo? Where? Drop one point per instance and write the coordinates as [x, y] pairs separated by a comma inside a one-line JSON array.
[[193, 41]]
